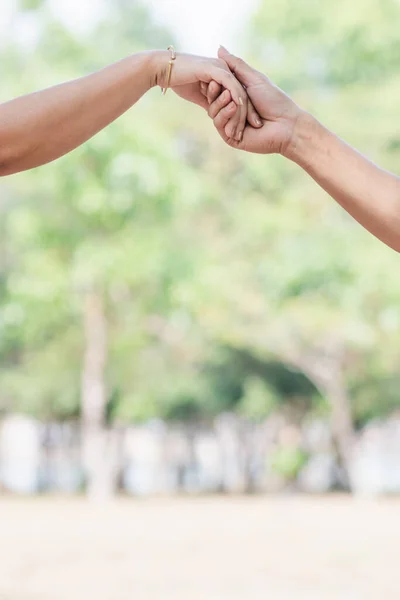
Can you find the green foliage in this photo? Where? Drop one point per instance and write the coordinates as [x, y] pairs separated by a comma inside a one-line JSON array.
[[334, 44], [216, 267], [28, 5], [259, 400], [288, 461]]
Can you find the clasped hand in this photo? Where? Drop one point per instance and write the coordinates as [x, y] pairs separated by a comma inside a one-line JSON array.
[[249, 112]]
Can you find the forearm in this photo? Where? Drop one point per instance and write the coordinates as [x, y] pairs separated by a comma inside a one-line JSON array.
[[40, 127], [370, 194]]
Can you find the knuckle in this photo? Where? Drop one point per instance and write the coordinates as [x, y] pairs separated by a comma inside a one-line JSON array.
[[230, 130], [239, 62], [221, 100], [213, 111], [226, 111], [213, 86]]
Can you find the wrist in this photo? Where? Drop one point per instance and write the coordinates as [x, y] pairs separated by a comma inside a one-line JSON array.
[[158, 67], [303, 137]]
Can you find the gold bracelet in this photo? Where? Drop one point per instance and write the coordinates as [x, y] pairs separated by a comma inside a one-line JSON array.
[[170, 65]]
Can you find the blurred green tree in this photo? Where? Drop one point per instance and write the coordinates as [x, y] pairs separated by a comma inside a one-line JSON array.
[[154, 273], [290, 274]]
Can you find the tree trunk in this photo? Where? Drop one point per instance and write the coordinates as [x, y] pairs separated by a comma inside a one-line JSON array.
[[325, 369], [100, 445], [248, 433], [341, 419]]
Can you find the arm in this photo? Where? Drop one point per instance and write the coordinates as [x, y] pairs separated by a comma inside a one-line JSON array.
[[40, 127], [370, 194]]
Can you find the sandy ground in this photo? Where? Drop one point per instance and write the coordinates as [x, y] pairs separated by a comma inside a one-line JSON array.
[[192, 549]]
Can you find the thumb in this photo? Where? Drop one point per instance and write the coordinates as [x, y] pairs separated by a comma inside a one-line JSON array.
[[244, 73]]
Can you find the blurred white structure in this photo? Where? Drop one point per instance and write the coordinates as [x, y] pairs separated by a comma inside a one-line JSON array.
[[376, 464], [229, 456], [20, 454]]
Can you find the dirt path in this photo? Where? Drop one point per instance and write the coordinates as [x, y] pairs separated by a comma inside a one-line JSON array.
[[208, 549]]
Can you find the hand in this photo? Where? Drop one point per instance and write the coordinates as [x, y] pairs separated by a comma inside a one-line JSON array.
[[210, 92], [192, 93], [278, 112], [190, 71]]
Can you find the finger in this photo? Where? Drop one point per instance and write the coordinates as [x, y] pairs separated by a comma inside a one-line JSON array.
[[231, 128], [211, 72], [221, 121], [242, 119], [223, 118], [203, 88], [214, 90], [227, 80], [247, 76], [253, 117], [237, 123], [244, 73], [223, 100]]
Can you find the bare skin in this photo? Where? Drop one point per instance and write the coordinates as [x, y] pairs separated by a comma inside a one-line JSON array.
[[40, 127], [367, 192]]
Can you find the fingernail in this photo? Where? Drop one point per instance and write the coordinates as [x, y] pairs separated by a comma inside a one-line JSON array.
[[240, 136], [241, 102], [257, 122], [223, 48]]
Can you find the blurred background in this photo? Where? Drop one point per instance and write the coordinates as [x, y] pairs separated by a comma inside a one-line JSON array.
[[241, 330]]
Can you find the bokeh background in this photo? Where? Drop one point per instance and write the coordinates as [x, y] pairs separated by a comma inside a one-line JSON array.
[[199, 337]]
